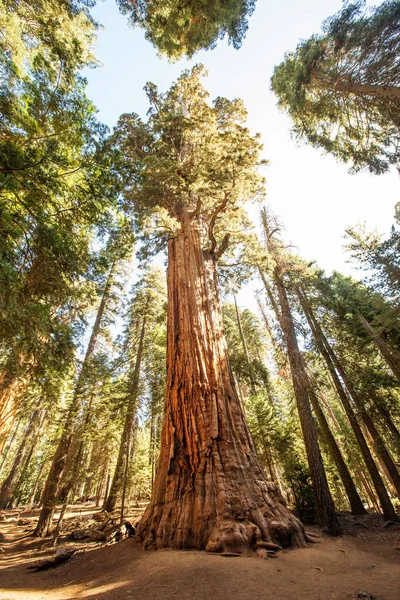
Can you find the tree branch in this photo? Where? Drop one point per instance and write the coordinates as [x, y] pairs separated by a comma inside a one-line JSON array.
[[214, 217]]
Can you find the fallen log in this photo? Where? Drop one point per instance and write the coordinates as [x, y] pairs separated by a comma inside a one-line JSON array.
[[62, 555]]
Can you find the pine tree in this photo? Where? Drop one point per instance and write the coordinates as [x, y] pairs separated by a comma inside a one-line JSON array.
[[342, 88], [146, 308], [119, 247]]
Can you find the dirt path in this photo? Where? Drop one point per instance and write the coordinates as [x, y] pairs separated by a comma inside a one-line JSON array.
[[331, 570]]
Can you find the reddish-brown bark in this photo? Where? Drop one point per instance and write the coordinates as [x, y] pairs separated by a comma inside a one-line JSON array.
[[210, 491]]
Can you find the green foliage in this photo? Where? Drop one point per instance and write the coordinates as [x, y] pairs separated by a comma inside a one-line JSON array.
[[58, 179], [191, 158], [182, 27], [377, 256], [299, 479], [140, 469], [341, 88]]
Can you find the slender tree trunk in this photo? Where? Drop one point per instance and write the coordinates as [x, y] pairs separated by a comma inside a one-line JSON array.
[[335, 368], [102, 481], [382, 452], [125, 478], [210, 491], [36, 485], [10, 387], [8, 486], [244, 345], [128, 425], [382, 92], [57, 468], [387, 420], [323, 500], [29, 454], [374, 501], [356, 504], [391, 356], [266, 447], [12, 435]]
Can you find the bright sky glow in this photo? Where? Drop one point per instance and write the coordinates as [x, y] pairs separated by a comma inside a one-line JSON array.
[[313, 195]]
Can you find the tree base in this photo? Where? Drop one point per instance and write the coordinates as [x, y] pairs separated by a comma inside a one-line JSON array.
[[176, 525]]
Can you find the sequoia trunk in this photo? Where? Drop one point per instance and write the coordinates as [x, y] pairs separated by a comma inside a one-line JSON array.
[[210, 490]]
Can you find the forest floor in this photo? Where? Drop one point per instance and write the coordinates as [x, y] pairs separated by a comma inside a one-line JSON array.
[[365, 559]]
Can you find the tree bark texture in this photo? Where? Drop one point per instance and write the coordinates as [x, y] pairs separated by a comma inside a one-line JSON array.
[[210, 491]]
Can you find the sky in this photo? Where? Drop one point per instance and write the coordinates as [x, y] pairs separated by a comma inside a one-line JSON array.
[[314, 196]]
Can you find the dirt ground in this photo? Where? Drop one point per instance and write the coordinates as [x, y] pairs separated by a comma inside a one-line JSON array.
[[365, 559]]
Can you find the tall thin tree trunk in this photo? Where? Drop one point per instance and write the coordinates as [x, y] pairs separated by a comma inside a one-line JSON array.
[[382, 452], [10, 387], [391, 356], [102, 482], [374, 501], [244, 345], [356, 505], [335, 369], [9, 444], [323, 500], [387, 420], [31, 448], [266, 447], [8, 485], [210, 490], [128, 425], [52, 486]]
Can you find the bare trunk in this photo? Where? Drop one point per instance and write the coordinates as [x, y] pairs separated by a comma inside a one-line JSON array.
[[382, 453], [57, 468], [102, 482], [356, 504], [10, 388], [210, 491], [123, 455], [387, 420], [323, 500], [8, 486], [335, 368], [11, 436], [382, 92], [391, 356]]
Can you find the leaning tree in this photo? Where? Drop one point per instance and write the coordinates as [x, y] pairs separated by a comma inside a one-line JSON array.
[[342, 88], [191, 166]]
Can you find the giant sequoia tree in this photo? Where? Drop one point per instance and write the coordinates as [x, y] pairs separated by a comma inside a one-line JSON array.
[[197, 163], [342, 88]]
